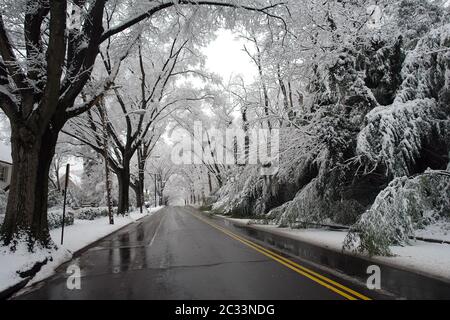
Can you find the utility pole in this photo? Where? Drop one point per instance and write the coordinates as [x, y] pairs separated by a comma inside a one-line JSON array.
[[64, 204], [159, 189], [105, 155], [155, 191]]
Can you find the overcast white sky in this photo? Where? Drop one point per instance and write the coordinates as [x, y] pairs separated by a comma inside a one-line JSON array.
[[226, 57]]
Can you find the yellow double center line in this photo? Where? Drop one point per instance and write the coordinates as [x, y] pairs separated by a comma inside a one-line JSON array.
[[314, 276]]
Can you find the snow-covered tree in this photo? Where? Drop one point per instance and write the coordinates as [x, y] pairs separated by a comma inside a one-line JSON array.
[[374, 108]]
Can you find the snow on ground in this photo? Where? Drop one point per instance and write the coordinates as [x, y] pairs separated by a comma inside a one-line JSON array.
[[439, 230], [20, 260], [76, 237], [423, 257]]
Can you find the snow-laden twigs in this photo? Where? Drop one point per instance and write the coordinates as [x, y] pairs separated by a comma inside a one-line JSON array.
[[165, 5], [104, 87], [396, 135], [405, 205]]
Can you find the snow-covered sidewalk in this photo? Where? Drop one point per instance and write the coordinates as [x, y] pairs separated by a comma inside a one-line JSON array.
[[77, 236], [431, 259]]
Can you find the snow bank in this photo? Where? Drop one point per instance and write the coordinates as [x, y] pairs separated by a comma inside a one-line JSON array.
[[21, 260], [439, 230]]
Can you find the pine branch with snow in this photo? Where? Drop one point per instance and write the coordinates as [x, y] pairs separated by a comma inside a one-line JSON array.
[[407, 204]]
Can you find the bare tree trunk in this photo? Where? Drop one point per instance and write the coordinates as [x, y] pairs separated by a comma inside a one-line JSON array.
[[210, 183], [161, 195], [26, 211], [138, 193], [123, 177], [108, 193], [140, 183], [107, 171]]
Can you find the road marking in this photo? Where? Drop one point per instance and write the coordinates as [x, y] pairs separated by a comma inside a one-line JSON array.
[[156, 231], [316, 277]]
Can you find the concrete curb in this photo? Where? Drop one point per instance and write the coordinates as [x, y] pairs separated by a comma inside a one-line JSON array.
[[401, 282], [9, 292]]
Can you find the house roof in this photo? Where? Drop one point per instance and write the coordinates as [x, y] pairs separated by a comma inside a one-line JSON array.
[[5, 153]]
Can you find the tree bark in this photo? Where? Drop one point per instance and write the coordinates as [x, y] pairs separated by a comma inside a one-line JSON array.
[[161, 198], [138, 194], [26, 211], [107, 171], [140, 183], [123, 177], [210, 183]]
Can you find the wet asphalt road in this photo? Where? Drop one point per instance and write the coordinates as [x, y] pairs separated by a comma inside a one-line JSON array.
[[174, 255]]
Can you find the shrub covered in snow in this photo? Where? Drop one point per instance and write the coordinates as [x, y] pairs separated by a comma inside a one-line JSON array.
[[407, 204], [55, 198], [55, 218], [91, 213]]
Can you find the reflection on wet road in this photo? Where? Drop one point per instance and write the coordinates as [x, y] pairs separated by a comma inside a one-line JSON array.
[[173, 255]]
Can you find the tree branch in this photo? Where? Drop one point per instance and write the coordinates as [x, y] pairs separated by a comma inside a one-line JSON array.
[[127, 24], [9, 58], [56, 53]]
